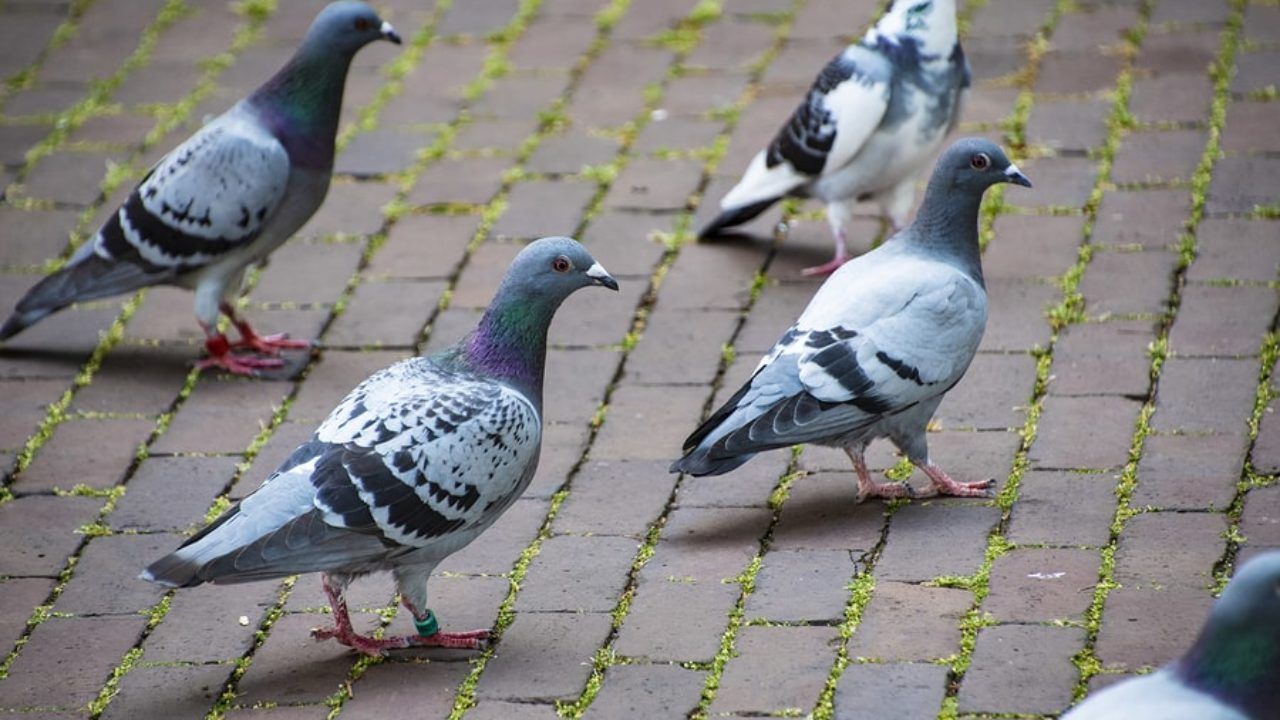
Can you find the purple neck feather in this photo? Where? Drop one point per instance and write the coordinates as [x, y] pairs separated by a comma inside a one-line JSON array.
[[301, 104], [511, 343]]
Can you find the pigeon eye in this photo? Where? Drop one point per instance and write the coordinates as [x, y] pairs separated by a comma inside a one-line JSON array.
[[980, 161], [362, 24], [561, 264]]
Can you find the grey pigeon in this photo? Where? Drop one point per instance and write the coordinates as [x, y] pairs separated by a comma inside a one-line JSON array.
[[870, 123], [411, 466], [1232, 672], [225, 198], [880, 344]]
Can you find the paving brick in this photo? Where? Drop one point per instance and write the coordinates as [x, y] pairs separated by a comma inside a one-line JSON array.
[[1255, 71], [777, 668], [1033, 246], [500, 710], [647, 691], [40, 532], [1266, 448], [931, 539], [1143, 559], [1260, 522], [552, 44], [749, 486], [1068, 124], [572, 152], [69, 177], [537, 209], [134, 379], [544, 655], [283, 441], [403, 256], [380, 152], [823, 575], [1146, 218], [905, 622], [646, 423], [1061, 508], [615, 497], [350, 208], [1076, 71], [992, 395], [1171, 98], [821, 513], [1188, 12], [94, 453], [1149, 626], [497, 549], [731, 45], [1060, 181], [1015, 315], [1222, 320], [106, 576], [1205, 395], [1189, 472], [26, 404], [291, 667], [577, 574], [1243, 182], [648, 184], [1108, 358], [307, 272], [389, 314], [1235, 249], [386, 689], [1249, 127], [1093, 27], [1038, 585], [680, 347], [1180, 53], [221, 416], [280, 712], [1156, 157], [459, 180], [203, 624], [80, 652], [695, 93], [156, 693], [1084, 432], [672, 619], [34, 236], [1024, 668], [332, 378], [18, 599], [917, 694], [1128, 283]]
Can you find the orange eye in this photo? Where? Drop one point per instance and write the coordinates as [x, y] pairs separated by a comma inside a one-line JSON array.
[[561, 264], [980, 161], [362, 24]]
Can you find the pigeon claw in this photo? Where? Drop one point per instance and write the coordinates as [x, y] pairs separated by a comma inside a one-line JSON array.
[[826, 268], [944, 485], [270, 344], [378, 647], [247, 366], [887, 490]]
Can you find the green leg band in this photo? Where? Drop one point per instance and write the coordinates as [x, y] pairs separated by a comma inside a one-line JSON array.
[[428, 625]]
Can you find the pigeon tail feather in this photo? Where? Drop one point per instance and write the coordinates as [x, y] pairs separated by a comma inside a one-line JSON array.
[[90, 277], [735, 216], [699, 463]]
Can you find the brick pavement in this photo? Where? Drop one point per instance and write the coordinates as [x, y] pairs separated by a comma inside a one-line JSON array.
[[1123, 396]]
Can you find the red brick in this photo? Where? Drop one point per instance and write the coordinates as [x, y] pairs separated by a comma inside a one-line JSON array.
[[203, 624], [335, 375], [646, 184], [992, 395], [674, 620], [1015, 315], [544, 655], [39, 532], [388, 689], [1033, 246], [616, 497], [777, 668], [1222, 320], [157, 693], [460, 602], [931, 539], [917, 694], [79, 652], [96, 453], [1022, 669], [1036, 585], [1062, 508], [1060, 181], [823, 574], [577, 574], [591, 320], [307, 272], [134, 379], [647, 691], [749, 486], [106, 576], [910, 622], [1084, 432], [387, 314], [680, 347], [1189, 472], [26, 404], [402, 256], [646, 423], [576, 381], [171, 493], [712, 275]]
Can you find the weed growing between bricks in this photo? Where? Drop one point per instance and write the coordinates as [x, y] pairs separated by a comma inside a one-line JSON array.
[[1087, 660], [66, 29]]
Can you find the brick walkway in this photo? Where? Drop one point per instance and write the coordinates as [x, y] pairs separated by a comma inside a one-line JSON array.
[[1121, 396]]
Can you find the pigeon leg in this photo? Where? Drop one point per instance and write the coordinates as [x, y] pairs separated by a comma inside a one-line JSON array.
[[345, 633], [265, 344], [868, 488], [431, 636], [944, 485], [840, 258], [219, 349]]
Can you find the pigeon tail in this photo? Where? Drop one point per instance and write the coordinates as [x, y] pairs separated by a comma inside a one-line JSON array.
[[89, 277], [699, 462], [20, 321], [735, 216], [173, 571]]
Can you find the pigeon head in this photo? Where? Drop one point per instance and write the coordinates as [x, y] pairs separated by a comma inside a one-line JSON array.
[[1236, 658], [346, 26], [552, 268], [975, 164], [931, 24]]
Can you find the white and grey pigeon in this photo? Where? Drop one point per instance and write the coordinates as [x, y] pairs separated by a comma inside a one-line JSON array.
[[880, 344], [226, 197], [870, 123], [1232, 672], [411, 466]]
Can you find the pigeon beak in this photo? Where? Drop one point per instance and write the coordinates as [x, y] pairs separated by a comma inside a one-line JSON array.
[[389, 33], [1014, 175], [600, 276]]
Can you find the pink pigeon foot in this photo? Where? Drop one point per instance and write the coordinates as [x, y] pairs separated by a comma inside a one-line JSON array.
[[840, 258], [220, 357], [376, 647], [944, 485], [868, 488], [268, 344]]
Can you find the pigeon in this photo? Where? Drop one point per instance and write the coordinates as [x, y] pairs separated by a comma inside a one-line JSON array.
[[1232, 672], [225, 198], [869, 124], [880, 344], [411, 466]]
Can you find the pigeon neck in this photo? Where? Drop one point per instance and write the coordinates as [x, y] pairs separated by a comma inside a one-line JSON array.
[[1239, 666], [947, 225], [511, 341], [302, 101]]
